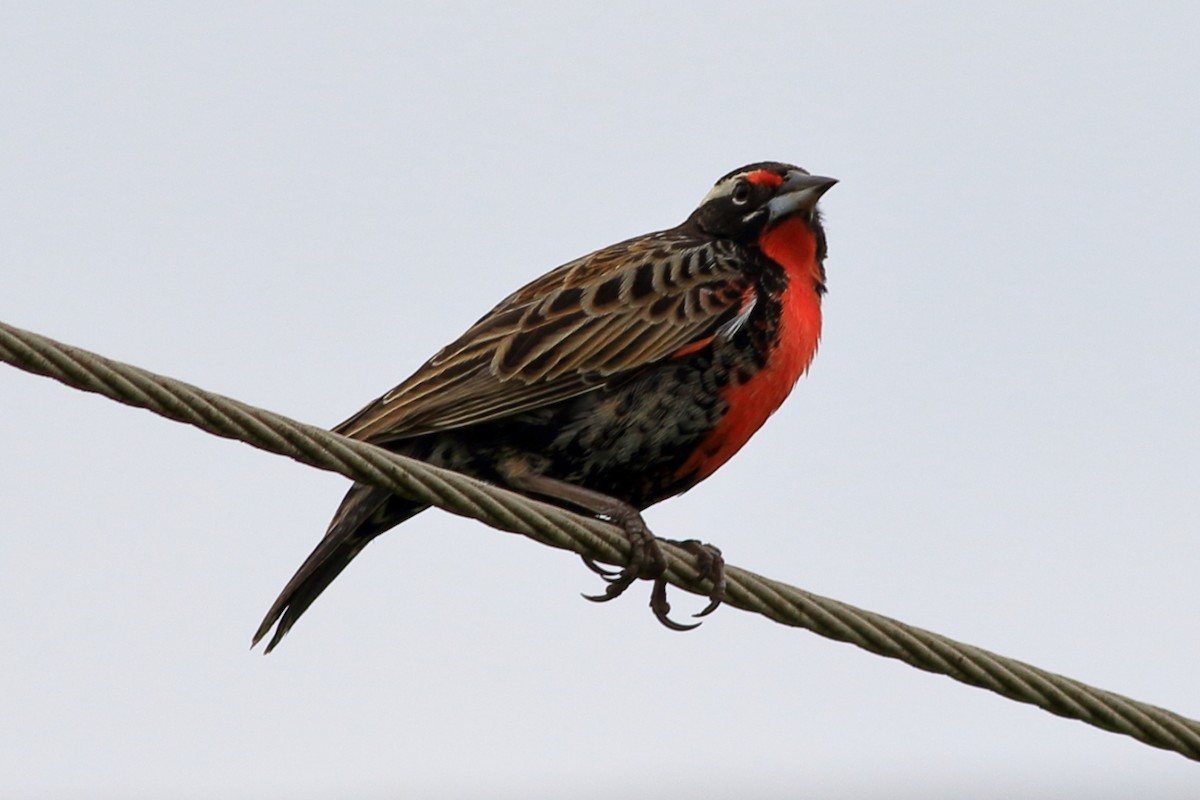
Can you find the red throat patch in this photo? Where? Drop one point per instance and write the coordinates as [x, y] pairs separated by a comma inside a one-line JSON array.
[[791, 245]]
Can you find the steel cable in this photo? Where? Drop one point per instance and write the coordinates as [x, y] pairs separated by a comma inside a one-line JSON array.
[[556, 527]]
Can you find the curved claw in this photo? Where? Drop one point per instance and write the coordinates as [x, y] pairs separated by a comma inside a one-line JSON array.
[[608, 574], [711, 565], [717, 595], [616, 587], [661, 608]]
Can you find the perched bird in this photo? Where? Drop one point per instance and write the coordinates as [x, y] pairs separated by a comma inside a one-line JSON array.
[[613, 382]]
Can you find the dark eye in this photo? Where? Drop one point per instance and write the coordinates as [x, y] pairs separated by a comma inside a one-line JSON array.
[[741, 194]]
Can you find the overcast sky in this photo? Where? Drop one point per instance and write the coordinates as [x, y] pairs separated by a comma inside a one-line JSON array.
[[296, 205]]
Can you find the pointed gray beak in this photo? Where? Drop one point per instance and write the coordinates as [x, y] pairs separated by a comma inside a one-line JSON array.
[[800, 192]]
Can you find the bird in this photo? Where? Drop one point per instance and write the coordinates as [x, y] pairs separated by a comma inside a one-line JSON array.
[[610, 383]]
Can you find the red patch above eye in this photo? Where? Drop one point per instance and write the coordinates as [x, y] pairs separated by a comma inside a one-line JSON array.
[[764, 178]]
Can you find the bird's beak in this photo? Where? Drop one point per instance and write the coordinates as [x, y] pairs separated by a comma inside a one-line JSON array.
[[799, 192]]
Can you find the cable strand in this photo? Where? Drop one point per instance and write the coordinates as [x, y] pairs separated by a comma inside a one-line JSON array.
[[556, 527]]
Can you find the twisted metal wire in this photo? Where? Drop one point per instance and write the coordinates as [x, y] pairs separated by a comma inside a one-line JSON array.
[[598, 540]]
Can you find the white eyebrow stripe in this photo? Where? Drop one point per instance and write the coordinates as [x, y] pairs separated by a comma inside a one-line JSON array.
[[722, 189]]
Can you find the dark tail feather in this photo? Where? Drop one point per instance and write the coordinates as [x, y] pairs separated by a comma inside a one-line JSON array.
[[365, 513]]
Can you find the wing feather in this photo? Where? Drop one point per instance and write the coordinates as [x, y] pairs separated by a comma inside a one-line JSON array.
[[569, 332]]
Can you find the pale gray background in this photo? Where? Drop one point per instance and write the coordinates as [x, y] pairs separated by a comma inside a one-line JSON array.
[[297, 205]]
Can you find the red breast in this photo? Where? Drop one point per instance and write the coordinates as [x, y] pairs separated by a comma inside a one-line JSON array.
[[791, 245]]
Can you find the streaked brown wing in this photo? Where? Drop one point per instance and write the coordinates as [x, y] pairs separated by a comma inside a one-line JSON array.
[[567, 333]]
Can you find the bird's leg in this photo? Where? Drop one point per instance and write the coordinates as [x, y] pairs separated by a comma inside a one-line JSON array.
[[646, 558]]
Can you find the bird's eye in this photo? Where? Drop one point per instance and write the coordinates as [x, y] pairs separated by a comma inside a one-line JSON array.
[[741, 194]]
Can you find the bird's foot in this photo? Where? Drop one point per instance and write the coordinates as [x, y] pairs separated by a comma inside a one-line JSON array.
[[647, 561], [711, 566]]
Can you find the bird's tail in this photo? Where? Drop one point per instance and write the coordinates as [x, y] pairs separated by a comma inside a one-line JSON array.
[[366, 512]]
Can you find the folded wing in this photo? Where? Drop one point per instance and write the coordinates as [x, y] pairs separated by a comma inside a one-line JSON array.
[[587, 323]]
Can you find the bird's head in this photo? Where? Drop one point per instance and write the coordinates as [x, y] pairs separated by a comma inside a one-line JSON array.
[[756, 197]]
